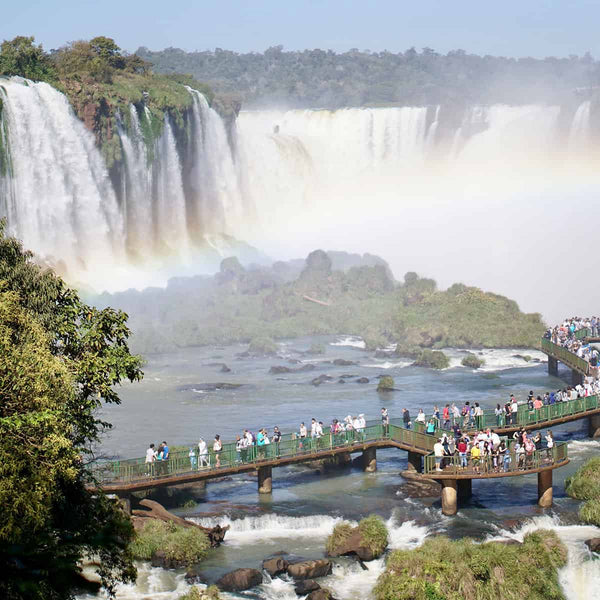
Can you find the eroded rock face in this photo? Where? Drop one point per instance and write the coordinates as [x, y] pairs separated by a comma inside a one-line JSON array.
[[310, 569], [240, 580], [321, 594], [275, 566], [593, 544]]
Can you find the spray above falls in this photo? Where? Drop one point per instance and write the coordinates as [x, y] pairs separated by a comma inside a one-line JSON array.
[[269, 175]]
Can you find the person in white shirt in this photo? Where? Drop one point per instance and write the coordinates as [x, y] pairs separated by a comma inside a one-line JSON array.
[[150, 458], [438, 450], [313, 428], [514, 409], [203, 454], [421, 416]]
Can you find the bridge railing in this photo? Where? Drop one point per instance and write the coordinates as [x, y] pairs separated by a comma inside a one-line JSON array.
[[523, 462], [565, 356], [581, 334], [525, 416]]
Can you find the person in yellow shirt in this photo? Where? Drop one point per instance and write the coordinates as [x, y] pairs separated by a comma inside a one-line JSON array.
[[475, 457]]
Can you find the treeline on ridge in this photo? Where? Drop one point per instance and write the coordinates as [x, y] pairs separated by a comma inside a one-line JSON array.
[[326, 79], [356, 295]]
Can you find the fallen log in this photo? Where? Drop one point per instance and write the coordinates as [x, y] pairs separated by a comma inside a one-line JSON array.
[[155, 510], [321, 302]]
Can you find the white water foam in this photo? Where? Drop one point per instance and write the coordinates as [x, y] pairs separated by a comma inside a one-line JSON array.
[[496, 359], [250, 530], [581, 447], [350, 340], [580, 578], [390, 365]]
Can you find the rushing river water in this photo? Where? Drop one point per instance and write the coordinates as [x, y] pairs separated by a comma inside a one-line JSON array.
[[172, 404]]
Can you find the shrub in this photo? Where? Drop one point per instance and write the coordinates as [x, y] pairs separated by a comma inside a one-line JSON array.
[[386, 383], [432, 359], [195, 593], [442, 569], [373, 534], [186, 544], [472, 361], [262, 345], [585, 485], [341, 532]]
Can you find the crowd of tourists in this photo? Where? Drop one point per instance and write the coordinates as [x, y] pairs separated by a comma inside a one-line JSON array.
[[565, 335], [486, 451]]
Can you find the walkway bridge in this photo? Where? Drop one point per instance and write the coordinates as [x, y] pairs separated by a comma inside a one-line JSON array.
[[580, 367], [128, 476]]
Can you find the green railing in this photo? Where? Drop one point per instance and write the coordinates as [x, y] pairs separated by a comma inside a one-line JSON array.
[[524, 462], [526, 417], [291, 445], [580, 334], [565, 356]]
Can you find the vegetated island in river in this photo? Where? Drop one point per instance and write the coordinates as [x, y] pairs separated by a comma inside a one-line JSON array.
[[328, 293]]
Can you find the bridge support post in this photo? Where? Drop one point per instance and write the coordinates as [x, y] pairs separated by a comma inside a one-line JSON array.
[[465, 488], [576, 377], [369, 460], [545, 488], [594, 426], [449, 497], [552, 366], [415, 462], [265, 480]]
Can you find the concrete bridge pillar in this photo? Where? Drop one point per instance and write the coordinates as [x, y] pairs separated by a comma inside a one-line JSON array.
[[545, 489], [369, 460], [449, 497], [265, 480], [415, 462], [552, 366], [594, 426], [576, 377], [465, 488]]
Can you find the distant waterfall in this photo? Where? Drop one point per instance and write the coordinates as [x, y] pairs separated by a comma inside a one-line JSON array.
[[59, 199], [299, 169]]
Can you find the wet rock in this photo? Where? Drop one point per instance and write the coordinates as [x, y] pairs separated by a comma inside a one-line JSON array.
[[418, 487], [307, 367], [321, 379], [354, 546], [593, 544], [306, 587], [225, 369], [194, 575], [278, 370], [340, 362], [310, 569], [362, 380], [347, 376], [275, 566], [341, 380], [240, 580], [321, 594], [159, 559]]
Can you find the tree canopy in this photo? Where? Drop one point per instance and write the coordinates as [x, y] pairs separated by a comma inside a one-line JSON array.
[[59, 361]]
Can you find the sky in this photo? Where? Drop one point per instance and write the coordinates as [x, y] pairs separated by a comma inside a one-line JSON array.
[[536, 28]]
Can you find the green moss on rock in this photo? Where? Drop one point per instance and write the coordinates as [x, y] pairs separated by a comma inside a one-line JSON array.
[[585, 485], [472, 361], [368, 540], [386, 384], [262, 345], [432, 359], [442, 569], [195, 593]]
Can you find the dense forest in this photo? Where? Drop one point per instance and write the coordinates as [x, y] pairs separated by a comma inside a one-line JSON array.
[[354, 294], [319, 78]]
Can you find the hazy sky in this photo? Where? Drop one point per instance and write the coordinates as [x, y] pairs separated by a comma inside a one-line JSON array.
[[536, 28]]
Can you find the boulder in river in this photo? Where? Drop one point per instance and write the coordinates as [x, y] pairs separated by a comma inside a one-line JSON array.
[[310, 569], [279, 369], [321, 379], [362, 380], [320, 594], [342, 362], [225, 369], [275, 566], [240, 580], [593, 544], [194, 575], [306, 587]]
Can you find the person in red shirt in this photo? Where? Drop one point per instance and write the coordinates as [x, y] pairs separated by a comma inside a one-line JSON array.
[[462, 452]]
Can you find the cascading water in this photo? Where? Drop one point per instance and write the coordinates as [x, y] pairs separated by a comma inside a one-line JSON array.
[[59, 198], [313, 169]]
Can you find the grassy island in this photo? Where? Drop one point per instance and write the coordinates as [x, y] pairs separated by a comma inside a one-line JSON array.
[[585, 485], [368, 540], [442, 569], [328, 293]]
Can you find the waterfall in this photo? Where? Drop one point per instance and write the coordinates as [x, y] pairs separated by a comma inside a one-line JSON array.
[[137, 187], [59, 199], [579, 133], [300, 171]]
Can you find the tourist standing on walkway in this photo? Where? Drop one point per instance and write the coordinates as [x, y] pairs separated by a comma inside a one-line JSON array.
[[193, 459], [302, 435], [203, 454], [549, 444], [406, 418], [514, 409], [438, 450], [217, 447], [150, 458], [385, 421], [462, 452], [165, 458]]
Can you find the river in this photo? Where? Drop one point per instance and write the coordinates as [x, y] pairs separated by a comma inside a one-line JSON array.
[[171, 404]]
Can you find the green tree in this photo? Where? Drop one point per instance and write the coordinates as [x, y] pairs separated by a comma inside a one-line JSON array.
[[20, 56], [59, 361]]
